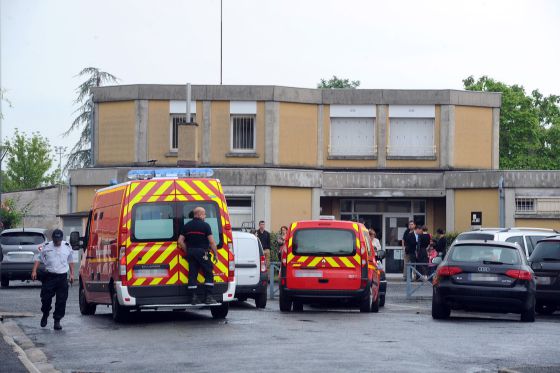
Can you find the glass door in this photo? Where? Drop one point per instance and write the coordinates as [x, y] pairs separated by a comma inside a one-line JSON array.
[[394, 226]]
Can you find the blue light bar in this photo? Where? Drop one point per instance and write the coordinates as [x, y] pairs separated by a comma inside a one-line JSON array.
[[170, 172]]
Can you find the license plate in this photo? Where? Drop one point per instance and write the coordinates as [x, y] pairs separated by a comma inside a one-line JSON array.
[[483, 277], [156, 272], [304, 273], [20, 258], [543, 280]]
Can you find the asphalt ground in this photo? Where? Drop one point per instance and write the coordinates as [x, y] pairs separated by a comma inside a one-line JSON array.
[[402, 337]]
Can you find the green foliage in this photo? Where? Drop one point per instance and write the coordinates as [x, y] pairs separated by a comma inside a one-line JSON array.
[[450, 237], [29, 160], [529, 125], [336, 82], [80, 155], [9, 215]]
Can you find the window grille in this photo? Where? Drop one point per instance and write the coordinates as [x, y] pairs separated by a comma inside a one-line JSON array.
[[242, 133]]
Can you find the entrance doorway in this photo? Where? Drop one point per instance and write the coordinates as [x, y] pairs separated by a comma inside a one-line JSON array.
[[394, 226]]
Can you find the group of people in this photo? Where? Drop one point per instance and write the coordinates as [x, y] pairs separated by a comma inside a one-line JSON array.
[[421, 247], [264, 237]]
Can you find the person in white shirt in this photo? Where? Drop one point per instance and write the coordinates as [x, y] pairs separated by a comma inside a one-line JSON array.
[[56, 256]]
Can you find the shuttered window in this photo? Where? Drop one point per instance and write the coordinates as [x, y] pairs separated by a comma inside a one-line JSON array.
[[413, 137], [243, 133], [352, 137]]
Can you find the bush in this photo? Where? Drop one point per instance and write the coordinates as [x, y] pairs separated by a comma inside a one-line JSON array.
[[450, 237], [10, 217]]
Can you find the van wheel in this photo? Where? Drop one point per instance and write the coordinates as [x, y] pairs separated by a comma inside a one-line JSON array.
[[260, 300], [545, 309], [220, 312], [439, 310], [86, 308], [5, 282], [298, 306], [367, 301], [120, 312], [285, 302], [375, 305], [382, 300]]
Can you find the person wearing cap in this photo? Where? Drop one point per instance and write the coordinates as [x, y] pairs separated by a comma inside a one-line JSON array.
[[56, 255]]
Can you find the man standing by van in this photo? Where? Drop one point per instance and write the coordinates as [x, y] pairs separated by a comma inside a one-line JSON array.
[[264, 237], [196, 240], [56, 256], [409, 246]]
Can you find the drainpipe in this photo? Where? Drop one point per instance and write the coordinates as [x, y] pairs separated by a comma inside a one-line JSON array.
[[502, 204]]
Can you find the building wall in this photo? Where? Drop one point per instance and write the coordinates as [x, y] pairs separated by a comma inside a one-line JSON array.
[[85, 197], [298, 135], [288, 205], [159, 132], [467, 201], [117, 133], [439, 214], [473, 137], [538, 223]]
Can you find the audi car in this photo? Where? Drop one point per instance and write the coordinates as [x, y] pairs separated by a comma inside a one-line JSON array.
[[545, 261], [484, 276]]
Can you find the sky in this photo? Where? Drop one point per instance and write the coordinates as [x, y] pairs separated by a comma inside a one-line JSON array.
[[399, 44]]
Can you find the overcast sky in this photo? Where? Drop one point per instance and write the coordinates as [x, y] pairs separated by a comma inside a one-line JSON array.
[[384, 44]]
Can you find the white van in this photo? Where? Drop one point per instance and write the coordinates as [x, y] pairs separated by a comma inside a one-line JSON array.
[[251, 274]]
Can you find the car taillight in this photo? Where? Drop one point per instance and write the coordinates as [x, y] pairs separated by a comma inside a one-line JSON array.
[[448, 271], [519, 274], [122, 262], [263, 263], [231, 264]]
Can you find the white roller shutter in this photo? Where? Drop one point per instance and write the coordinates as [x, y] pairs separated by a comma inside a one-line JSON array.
[[352, 137], [411, 137]]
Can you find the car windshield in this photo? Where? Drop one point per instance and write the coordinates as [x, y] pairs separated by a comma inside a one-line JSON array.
[[546, 250], [475, 236], [22, 238], [485, 254], [324, 242]]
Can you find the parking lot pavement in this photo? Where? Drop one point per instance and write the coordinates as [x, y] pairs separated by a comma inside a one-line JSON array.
[[402, 337]]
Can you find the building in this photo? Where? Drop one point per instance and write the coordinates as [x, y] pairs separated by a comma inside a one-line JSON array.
[[284, 154]]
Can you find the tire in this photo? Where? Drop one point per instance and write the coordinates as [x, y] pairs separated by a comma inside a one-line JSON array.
[[367, 301], [285, 302], [375, 305], [382, 300], [260, 300], [86, 308], [440, 311], [220, 312], [528, 315], [298, 306], [119, 312], [5, 282], [545, 309]]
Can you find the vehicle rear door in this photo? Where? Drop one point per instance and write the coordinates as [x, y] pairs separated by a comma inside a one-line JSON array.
[[247, 260], [20, 247], [546, 265]]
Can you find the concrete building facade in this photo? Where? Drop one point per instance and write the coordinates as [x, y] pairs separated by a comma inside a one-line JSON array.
[[284, 154]]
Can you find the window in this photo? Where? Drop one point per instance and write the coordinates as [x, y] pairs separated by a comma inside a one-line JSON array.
[[243, 133], [524, 205], [411, 137], [22, 238], [324, 242], [153, 221], [352, 137], [547, 251], [475, 236], [518, 240], [176, 121], [480, 254]]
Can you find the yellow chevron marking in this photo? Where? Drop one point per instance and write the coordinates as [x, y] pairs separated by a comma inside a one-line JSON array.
[[173, 279], [151, 251], [224, 254], [290, 243], [142, 193], [139, 282], [181, 197], [332, 262], [302, 259], [133, 188], [294, 225], [208, 192], [355, 227], [357, 258], [357, 242], [315, 261], [156, 281], [169, 198], [159, 191], [222, 267], [172, 263], [347, 262], [182, 278], [165, 254], [112, 190], [184, 263], [290, 257], [191, 191], [130, 257], [129, 275]]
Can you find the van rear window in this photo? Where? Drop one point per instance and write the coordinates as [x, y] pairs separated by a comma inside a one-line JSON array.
[[475, 236], [323, 242], [22, 238]]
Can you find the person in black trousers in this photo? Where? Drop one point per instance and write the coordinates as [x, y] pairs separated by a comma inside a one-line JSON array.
[[441, 243], [423, 241]]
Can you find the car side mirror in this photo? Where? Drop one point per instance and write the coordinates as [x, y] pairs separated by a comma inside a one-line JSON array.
[[437, 260], [75, 241], [381, 254]]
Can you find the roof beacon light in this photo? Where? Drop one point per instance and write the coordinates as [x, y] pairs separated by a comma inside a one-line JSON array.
[[170, 173]]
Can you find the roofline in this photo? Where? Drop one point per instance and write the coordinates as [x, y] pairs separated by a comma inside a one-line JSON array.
[[298, 95]]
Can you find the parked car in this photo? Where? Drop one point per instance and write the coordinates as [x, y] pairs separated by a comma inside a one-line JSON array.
[[545, 261], [251, 274], [328, 260], [526, 238], [18, 249], [486, 276]]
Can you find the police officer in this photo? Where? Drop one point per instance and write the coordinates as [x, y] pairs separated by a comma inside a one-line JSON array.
[[196, 240], [56, 256]]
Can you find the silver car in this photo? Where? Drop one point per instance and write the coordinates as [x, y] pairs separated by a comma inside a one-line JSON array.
[[18, 248]]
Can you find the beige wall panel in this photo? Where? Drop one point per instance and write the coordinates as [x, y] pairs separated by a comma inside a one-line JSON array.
[[298, 135], [467, 201], [473, 137], [117, 129], [538, 223], [288, 205], [159, 132], [406, 163], [85, 197], [439, 214], [430, 216]]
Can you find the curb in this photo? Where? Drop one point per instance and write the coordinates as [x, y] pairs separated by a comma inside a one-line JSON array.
[[32, 358]]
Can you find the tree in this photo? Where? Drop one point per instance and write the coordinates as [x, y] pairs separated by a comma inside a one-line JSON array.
[[10, 216], [529, 125], [29, 160], [336, 82], [80, 155]]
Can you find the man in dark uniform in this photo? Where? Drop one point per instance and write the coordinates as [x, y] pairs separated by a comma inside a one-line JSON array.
[[264, 237], [196, 240], [409, 246], [57, 258]]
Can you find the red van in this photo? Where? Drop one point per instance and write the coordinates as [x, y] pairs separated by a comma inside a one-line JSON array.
[[329, 260]]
